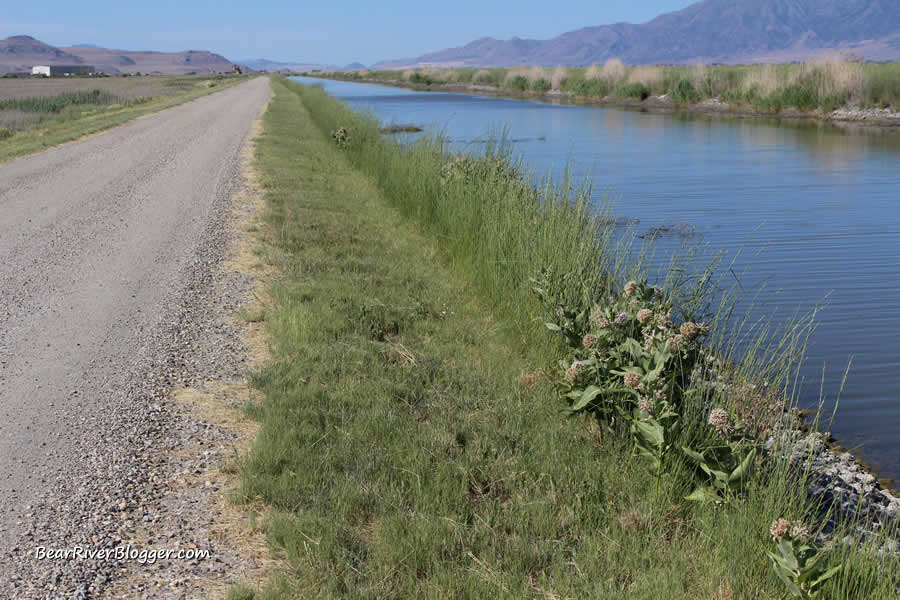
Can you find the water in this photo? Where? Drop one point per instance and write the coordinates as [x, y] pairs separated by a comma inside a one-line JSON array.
[[822, 202]]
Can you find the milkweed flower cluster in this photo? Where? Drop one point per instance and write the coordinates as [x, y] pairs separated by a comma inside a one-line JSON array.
[[720, 420], [779, 528]]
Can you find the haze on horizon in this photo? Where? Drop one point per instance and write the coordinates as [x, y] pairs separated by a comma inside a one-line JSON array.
[[338, 32]]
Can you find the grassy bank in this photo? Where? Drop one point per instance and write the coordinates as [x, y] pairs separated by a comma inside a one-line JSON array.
[[36, 114], [822, 85], [413, 440]]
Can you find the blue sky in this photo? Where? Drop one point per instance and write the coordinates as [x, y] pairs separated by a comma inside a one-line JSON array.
[[333, 31]]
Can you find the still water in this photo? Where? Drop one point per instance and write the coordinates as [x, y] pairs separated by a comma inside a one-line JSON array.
[[815, 208]]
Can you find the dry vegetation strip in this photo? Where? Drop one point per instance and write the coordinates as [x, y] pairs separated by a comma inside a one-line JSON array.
[[824, 84]]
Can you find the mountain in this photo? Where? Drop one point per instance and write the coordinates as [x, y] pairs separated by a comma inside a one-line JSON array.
[[21, 52], [131, 61], [726, 31], [354, 66], [264, 64]]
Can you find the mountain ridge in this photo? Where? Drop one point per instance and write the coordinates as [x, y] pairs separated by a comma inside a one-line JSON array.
[[708, 31], [19, 53]]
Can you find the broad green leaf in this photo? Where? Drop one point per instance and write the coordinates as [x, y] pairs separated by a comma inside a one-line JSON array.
[[652, 432], [787, 552], [703, 494], [744, 468], [553, 326], [695, 456], [586, 398], [825, 576]]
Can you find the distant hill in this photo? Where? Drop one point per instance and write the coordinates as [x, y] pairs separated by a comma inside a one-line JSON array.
[[264, 64], [726, 31], [355, 66], [20, 53]]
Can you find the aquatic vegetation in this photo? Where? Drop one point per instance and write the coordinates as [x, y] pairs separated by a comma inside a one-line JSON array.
[[826, 83]]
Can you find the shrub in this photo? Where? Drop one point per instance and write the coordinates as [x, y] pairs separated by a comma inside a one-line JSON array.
[[517, 82], [633, 90], [540, 85], [800, 96], [598, 88], [5, 133], [685, 92], [421, 79], [882, 88]]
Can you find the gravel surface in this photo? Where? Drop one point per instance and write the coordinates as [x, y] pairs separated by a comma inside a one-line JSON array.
[[111, 298]]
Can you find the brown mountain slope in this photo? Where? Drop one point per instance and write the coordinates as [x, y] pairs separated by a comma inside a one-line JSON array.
[[709, 31], [20, 53], [128, 61]]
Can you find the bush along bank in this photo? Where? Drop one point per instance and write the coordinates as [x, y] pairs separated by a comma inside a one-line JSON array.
[[410, 444], [832, 88]]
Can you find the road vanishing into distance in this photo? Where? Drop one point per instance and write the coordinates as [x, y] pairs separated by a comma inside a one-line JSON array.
[[96, 239]]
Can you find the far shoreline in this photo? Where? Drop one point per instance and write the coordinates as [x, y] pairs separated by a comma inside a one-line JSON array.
[[882, 119]]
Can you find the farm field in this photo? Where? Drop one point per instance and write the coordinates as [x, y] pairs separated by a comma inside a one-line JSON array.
[[36, 113]]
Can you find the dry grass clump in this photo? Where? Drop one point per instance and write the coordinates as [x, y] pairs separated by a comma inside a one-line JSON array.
[[559, 75], [593, 72], [445, 75], [650, 76], [482, 76], [363, 73], [764, 79], [837, 76], [613, 70], [407, 74]]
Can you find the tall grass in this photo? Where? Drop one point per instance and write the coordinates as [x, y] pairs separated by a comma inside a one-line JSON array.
[[497, 226], [56, 104], [825, 83]]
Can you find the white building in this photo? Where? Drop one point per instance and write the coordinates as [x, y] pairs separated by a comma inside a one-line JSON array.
[[62, 70]]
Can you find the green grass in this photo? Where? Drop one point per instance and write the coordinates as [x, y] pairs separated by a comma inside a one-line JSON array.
[[412, 443], [72, 115]]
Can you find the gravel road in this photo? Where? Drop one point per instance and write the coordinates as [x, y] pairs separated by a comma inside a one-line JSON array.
[[105, 249]]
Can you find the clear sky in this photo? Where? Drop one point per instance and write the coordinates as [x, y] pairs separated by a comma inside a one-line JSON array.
[[329, 31]]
